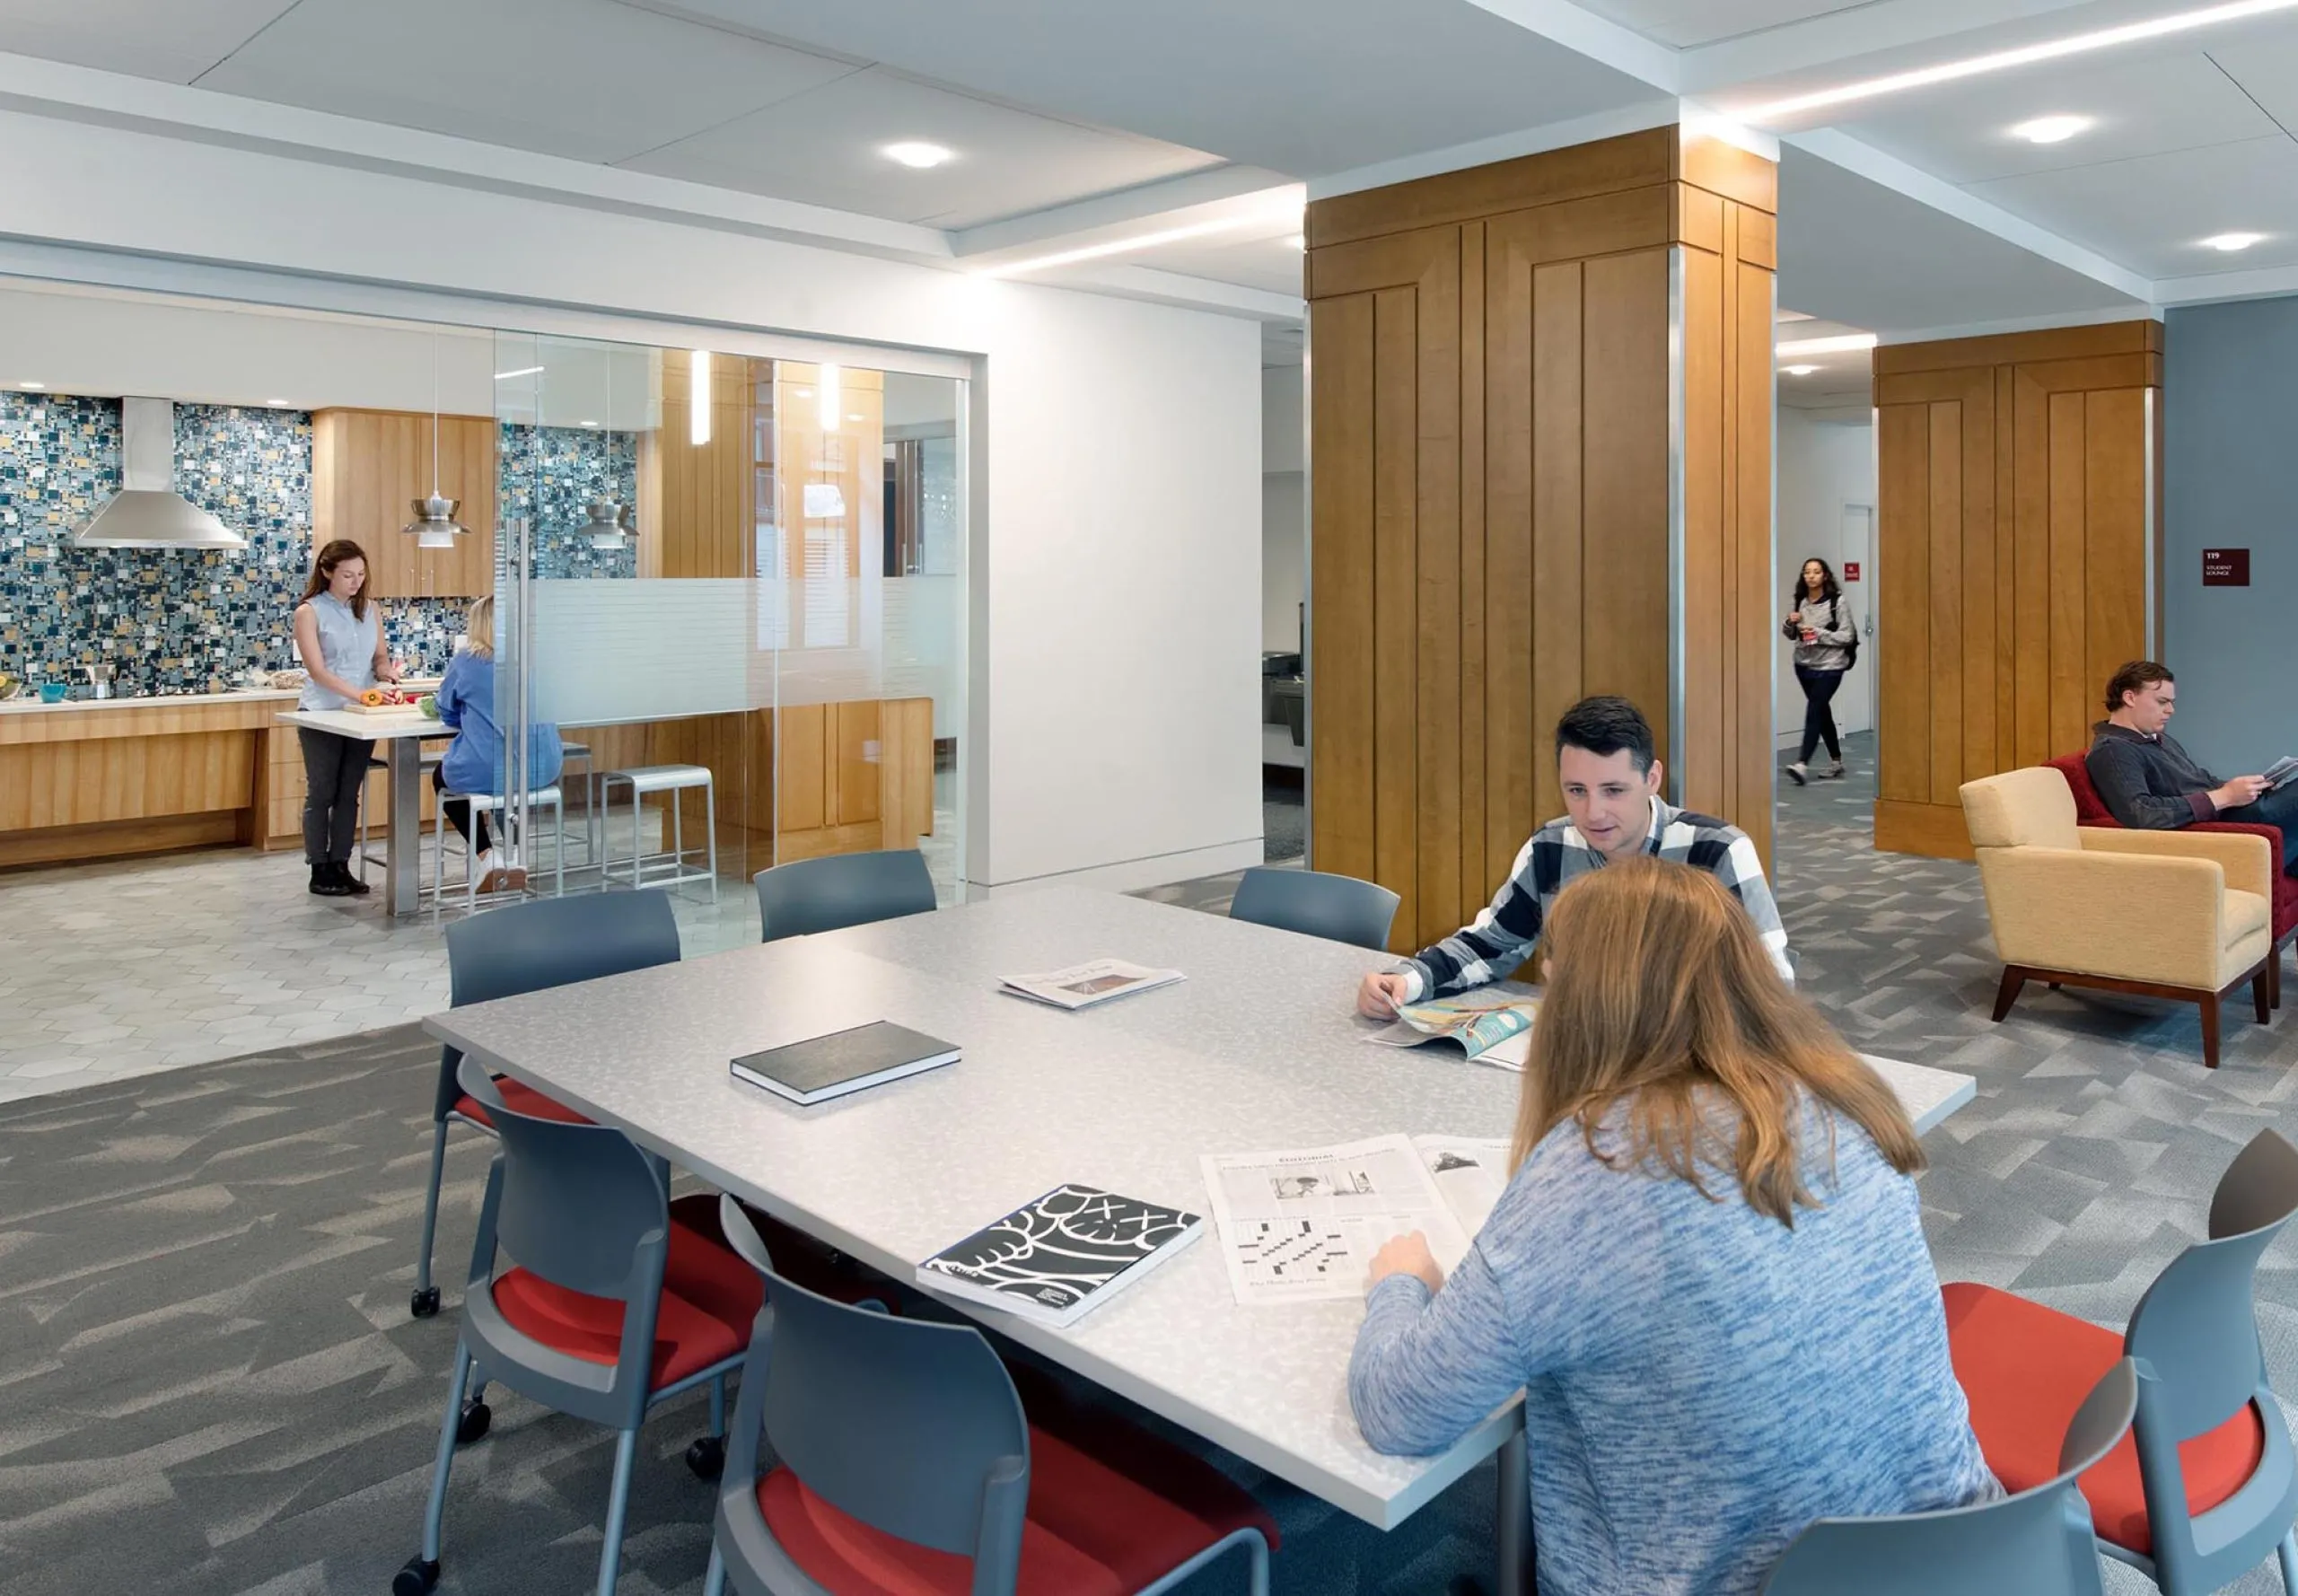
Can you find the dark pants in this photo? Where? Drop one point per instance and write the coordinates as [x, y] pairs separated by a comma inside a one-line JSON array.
[[458, 812], [1819, 720], [2277, 808], [335, 769]]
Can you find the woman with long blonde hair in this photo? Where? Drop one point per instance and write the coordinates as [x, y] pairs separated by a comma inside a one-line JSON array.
[[1707, 1273]]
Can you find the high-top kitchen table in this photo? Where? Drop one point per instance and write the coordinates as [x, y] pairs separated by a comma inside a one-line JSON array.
[[1258, 1049], [401, 732]]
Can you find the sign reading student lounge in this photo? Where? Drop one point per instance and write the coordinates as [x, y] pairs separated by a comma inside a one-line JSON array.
[[2225, 567]]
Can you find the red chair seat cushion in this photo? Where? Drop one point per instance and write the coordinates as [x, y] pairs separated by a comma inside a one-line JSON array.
[[1092, 1530], [2026, 1368], [710, 1297], [2090, 810], [520, 1099]]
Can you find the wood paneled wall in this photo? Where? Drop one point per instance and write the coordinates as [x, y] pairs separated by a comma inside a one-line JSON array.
[[2013, 549], [1491, 417], [695, 512], [368, 466]]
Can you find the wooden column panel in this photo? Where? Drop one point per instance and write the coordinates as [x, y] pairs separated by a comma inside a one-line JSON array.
[[1490, 491], [2013, 548]]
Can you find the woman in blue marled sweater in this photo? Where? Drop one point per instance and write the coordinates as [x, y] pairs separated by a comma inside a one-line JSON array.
[[1708, 1273]]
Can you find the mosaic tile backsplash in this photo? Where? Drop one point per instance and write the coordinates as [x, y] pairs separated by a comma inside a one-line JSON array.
[[197, 622]]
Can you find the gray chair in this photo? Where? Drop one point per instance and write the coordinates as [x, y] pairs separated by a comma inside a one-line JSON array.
[[1337, 908], [2209, 1428], [842, 890], [527, 947], [616, 1303], [2037, 1543], [897, 1430]]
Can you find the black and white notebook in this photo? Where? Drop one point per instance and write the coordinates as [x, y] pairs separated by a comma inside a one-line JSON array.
[[827, 1066], [1060, 1257]]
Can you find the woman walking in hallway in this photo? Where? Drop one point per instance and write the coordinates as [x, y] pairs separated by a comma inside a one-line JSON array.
[[1826, 642], [340, 636]]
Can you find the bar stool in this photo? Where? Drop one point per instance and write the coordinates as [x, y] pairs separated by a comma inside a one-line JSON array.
[[663, 869], [489, 804], [568, 753]]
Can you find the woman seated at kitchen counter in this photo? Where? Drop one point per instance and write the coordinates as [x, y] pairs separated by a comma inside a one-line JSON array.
[[474, 762], [1709, 1254]]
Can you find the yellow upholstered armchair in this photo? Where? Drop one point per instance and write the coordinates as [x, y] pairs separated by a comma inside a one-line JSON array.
[[2183, 914]]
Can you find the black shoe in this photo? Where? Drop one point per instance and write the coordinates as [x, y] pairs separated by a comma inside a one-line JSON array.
[[350, 883], [324, 883]]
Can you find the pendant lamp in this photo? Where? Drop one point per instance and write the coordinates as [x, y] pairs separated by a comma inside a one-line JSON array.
[[605, 528], [434, 525]]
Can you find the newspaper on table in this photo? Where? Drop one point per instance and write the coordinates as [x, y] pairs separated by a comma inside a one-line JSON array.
[[1081, 985], [1303, 1226], [1490, 1027]]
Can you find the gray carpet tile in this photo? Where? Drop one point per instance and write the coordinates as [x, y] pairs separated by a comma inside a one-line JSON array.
[[209, 1382]]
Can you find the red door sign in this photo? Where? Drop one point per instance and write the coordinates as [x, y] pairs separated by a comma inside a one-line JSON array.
[[1851, 570]]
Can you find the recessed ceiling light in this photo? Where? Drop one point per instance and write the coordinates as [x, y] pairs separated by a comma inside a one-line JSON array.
[[524, 371], [2051, 130], [1799, 371], [1844, 345], [34, 387], [2231, 242], [591, 424], [912, 154], [2049, 49], [275, 404]]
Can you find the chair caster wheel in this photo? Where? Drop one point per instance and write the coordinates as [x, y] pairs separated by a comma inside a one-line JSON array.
[[423, 1304], [707, 1457], [477, 1416], [420, 1577]]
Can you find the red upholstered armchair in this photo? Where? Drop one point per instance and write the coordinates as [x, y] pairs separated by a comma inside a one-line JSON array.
[[2090, 811]]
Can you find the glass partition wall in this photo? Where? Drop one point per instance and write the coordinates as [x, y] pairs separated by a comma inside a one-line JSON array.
[[735, 587]]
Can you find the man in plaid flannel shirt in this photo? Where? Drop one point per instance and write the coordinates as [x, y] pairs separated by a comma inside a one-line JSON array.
[[1606, 765]]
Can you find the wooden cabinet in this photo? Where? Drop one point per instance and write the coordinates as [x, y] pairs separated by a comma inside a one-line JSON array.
[[280, 790], [369, 465]]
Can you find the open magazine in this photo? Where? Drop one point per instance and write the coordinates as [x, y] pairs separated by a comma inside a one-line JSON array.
[[1303, 1226], [1491, 1028], [2281, 773], [1081, 985]]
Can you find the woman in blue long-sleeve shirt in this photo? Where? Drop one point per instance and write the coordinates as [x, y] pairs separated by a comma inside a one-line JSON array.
[[1708, 1274], [475, 761]]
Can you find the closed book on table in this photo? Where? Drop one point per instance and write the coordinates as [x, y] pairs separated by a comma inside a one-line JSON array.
[[1060, 1257], [826, 1066]]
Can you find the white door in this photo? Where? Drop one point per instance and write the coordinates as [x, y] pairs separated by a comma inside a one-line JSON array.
[[1855, 566]]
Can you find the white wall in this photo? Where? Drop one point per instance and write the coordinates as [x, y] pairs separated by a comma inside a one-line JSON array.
[[1281, 442], [1113, 705], [1284, 544], [1823, 466]]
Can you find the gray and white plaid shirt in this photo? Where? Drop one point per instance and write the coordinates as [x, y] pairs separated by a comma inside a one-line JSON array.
[[1556, 856]]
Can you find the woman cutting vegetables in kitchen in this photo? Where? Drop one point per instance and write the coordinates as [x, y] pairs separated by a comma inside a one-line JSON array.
[[340, 636]]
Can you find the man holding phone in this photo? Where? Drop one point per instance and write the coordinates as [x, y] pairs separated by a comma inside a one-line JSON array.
[[2151, 784]]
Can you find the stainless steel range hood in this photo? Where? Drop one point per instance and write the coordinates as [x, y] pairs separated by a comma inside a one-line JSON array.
[[147, 512]]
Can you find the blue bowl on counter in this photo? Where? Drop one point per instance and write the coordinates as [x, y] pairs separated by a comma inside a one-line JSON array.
[[52, 692]]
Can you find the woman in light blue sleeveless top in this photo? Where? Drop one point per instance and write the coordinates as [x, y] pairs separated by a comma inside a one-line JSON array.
[[339, 635]]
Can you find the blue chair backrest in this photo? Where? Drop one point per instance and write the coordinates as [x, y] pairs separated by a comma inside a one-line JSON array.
[[2197, 1326], [1337, 908], [552, 942], [829, 894], [912, 1427], [2037, 1543], [576, 1204]]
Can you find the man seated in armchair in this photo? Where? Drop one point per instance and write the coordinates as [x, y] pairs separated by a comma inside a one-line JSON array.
[[2149, 783]]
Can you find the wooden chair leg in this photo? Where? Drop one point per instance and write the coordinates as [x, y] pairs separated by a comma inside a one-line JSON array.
[[2013, 978], [2209, 1001], [2259, 1000]]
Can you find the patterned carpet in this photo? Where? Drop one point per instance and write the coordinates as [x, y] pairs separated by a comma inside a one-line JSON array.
[[208, 1380]]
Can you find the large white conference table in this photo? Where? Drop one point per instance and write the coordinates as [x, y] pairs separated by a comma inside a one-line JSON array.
[[1258, 1049]]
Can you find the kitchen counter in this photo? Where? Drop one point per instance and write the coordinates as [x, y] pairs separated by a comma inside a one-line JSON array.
[[32, 706]]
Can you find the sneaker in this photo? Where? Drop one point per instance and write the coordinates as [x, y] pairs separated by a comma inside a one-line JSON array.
[[1797, 774], [324, 885], [1835, 771], [350, 883]]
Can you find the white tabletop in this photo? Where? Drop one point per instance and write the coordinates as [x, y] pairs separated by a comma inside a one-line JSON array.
[[1256, 1049], [382, 727]]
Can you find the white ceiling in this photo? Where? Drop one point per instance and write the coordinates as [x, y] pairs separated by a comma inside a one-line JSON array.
[[1909, 212]]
